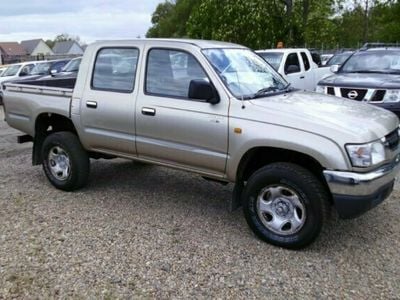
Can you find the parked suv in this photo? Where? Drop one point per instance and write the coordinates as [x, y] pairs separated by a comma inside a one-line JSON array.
[[372, 74]]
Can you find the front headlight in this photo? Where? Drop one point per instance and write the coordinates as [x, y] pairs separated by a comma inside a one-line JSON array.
[[320, 89], [392, 96], [366, 155]]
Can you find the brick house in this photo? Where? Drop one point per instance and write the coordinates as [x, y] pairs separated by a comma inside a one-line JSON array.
[[11, 52]]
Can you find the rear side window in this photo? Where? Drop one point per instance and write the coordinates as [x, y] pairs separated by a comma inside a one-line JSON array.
[[305, 60], [115, 69], [58, 66], [292, 64], [169, 72]]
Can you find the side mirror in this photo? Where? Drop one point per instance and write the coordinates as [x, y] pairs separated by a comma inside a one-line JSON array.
[[292, 69], [203, 90], [334, 68], [53, 72]]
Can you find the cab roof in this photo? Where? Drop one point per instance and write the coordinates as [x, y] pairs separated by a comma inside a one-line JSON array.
[[203, 44]]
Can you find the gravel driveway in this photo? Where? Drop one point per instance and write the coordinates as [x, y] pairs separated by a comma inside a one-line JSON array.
[[140, 231]]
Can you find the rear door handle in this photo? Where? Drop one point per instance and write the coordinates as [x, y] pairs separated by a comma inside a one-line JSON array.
[[301, 77], [91, 104], [147, 111]]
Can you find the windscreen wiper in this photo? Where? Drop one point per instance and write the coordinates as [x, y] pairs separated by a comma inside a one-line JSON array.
[[264, 91], [287, 87]]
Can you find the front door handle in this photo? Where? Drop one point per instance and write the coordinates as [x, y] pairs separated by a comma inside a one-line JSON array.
[[147, 111], [301, 77], [91, 104]]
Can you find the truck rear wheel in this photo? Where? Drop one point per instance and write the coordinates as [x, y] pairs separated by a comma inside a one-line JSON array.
[[285, 205], [65, 162]]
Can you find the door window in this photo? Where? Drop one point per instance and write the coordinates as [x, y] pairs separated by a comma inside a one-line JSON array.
[[169, 72], [26, 70], [305, 61], [292, 64], [115, 69]]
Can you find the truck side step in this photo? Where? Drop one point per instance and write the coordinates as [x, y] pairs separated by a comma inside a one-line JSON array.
[[24, 139]]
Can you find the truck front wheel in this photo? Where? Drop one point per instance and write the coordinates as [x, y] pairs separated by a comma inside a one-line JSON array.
[[285, 205], [65, 162]]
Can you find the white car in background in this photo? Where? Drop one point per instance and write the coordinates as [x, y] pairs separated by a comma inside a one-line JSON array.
[[296, 66], [2, 69], [15, 71], [325, 58]]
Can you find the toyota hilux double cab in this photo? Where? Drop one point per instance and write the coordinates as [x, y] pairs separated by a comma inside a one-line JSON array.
[[219, 110], [371, 75]]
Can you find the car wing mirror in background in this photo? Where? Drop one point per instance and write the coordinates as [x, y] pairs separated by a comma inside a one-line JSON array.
[[292, 69], [334, 68], [203, 90], [53, 72]]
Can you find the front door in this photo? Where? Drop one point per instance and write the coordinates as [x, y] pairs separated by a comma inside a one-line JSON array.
[[170, 127], [293, 71]]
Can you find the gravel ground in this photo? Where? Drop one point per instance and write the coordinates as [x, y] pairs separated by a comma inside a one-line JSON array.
[[140, 231]]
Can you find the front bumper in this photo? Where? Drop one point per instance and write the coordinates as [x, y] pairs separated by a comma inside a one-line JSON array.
[[355, 193]]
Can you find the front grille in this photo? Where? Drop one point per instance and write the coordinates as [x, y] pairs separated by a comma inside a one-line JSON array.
[[392, 139], [358, 94], [331, 91], [379, 95]]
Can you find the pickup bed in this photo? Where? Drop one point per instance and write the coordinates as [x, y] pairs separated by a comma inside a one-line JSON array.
[[296, 66], [218, 110]]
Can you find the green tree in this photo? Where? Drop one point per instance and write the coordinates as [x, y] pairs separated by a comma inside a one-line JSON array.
[[170, 18], [255, 23], [262, 23]]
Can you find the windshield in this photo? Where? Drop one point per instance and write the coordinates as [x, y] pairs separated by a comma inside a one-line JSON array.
[[72, 66], [373, 62], [11, 71], [41, 69], [245, 73], [273, 58], [338, 59]]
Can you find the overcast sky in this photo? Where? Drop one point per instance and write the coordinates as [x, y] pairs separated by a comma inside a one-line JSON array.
[[89, 19]]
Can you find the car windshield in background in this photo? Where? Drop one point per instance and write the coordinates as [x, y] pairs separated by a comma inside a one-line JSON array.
[[387, 62], [11, 71], [72, 66], [245, 73], [338, 59], [273, 58], [41, 69]]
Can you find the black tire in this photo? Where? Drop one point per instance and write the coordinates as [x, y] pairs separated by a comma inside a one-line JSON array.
[[79, 163], [308, 189]]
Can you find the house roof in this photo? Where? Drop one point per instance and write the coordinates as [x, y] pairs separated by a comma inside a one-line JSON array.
[[63, 47], [30, 45], [12, 48]]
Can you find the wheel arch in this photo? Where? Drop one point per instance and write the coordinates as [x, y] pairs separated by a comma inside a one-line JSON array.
[[45, 124], [258, 157]]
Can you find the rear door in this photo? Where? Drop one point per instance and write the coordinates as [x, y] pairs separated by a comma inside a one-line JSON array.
[[170, 127], [107, 105], [294, 71]]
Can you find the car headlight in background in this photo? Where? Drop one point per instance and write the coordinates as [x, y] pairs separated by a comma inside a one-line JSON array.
[[366, 155], [320, 89], [392, 96]]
